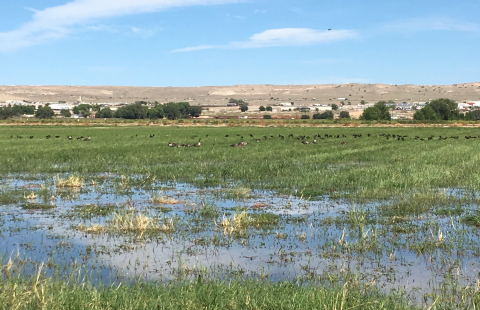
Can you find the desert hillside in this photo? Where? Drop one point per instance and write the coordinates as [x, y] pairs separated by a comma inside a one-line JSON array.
[[255, 94]]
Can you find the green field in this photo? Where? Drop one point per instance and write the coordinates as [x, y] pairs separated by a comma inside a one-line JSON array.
[[371, 167], [365, 218]]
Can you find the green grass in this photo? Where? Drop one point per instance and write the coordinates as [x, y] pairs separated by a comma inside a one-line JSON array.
[[70, 291], [368, 167]]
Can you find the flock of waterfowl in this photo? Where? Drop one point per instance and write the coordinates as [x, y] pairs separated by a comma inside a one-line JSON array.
[[81, 138], [302, 138], [316, 138]]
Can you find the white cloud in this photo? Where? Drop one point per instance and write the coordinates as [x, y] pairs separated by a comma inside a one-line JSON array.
[[282, 37], [259, 11], [433, 24], [56, 22]]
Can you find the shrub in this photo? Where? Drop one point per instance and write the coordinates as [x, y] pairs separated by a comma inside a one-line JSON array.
[[305, 116], [324, 115], [267, 116]]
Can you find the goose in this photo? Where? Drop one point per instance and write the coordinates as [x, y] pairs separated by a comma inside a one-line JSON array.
[[198, 143], [87, 138]]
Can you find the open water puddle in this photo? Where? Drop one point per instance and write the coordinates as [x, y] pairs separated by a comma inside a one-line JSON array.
[[137, 228]]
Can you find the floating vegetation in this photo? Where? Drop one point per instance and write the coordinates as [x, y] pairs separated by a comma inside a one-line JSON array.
[[37, 206]]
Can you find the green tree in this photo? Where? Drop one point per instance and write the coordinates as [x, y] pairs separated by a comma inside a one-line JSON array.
[[305, 116], [426, 114], [104, 113], [324, 115], [156, 112], [344, 114], [132, 111], [83, 109], [6, 112], [267, 116], [44, 112], [447, 109], [244, 108], [262, 108], [269, 109], [23, 109], [472, 115], [379, 112], [334, 107], [195, 111], [65, 113]]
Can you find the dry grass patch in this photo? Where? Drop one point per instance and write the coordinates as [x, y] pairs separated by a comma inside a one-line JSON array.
[[72, 181], [161, 199]]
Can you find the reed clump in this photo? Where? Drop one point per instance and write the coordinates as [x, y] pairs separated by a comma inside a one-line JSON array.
[[72, 181]]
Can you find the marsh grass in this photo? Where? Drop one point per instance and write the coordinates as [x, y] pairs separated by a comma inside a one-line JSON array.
[[90, 211], [71, 291], [10, 196], [72, 181], [472, 219], [133, 221], [37, 206], [241, 221], [162, 199]]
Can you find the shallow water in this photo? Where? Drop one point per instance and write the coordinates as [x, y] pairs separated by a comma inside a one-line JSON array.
[[313, 240]]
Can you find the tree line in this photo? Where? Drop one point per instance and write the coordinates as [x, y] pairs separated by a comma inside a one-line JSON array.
[[139, 110], [16, 110]]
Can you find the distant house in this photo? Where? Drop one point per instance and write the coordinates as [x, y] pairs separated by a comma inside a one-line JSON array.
[[404, 106], [323, 108], [57, 107]]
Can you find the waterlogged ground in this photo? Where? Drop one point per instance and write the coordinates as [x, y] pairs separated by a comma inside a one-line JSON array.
[[134, 227]]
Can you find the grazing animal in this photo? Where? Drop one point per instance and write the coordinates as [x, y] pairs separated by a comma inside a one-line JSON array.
[[343, 143], [171, 144], [180, 145], [314, 141], [87, 138], [70, 137], [151, 136], [305, 142], [198, 143], [56, 137], [31, 137]]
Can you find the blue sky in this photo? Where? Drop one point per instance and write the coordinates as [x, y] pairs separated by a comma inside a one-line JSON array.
[[230, 42]]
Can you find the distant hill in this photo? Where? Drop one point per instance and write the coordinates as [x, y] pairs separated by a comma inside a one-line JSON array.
[[255, 94]]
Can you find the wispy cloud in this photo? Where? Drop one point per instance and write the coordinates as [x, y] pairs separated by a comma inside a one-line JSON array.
[[56, 22], [433, 24], [282, 37]]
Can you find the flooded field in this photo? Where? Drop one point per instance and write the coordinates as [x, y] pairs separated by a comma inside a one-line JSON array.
[[368, 216], [134, 228]]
